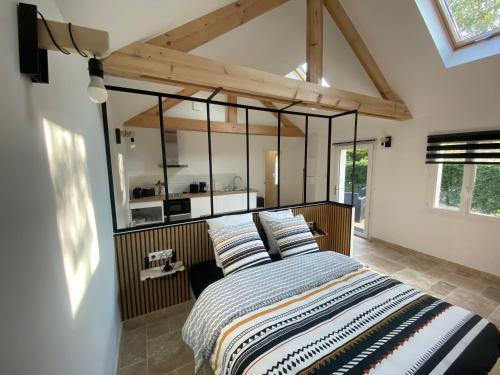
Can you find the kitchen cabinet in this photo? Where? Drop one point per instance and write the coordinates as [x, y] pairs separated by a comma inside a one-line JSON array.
[[200, 206]]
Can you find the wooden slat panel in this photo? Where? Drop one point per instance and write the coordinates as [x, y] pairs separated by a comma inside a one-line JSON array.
[[192, 245]]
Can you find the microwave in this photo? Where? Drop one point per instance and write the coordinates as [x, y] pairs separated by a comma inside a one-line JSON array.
[[179, 209]]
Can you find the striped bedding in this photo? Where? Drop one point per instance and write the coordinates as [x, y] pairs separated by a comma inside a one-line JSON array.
[[323, 313]]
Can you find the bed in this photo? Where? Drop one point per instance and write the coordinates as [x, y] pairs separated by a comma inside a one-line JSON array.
[[324, 313]]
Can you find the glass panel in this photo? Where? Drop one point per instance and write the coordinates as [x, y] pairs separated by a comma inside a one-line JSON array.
[[136, 159], [317, 159], [450, 185], [473, 18], [229, 162], [360, 184], [291, 161], [486, 196]]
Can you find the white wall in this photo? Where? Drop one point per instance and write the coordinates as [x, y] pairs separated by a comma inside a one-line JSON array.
[[441, 100], [59, 311]]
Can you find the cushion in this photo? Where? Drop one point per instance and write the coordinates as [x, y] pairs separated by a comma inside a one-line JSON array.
[[224, 221], [293, 236], [239, 247], [267, 216]]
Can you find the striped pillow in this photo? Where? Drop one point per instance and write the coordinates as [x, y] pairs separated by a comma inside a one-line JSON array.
[[239, 247], [293, 236]]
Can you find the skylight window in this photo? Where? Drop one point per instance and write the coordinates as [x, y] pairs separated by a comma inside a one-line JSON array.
[[300, 74], [470, 21]]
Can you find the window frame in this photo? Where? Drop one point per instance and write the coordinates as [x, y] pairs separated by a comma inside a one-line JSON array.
[[448, 22], [466, 195]]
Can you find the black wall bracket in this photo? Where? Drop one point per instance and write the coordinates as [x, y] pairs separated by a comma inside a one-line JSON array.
[[32, 60]]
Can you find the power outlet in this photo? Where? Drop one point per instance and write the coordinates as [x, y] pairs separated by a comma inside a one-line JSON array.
[[162, 254], [197, 106]]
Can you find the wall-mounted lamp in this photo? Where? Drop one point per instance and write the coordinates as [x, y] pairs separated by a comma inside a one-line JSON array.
[[130, 135], [37, 35], [386, 142]]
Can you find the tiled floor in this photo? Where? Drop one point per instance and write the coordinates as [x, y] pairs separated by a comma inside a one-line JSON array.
[[152, 344]]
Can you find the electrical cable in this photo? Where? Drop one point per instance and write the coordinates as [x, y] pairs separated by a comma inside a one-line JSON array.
[[83, 54], [52, 36]]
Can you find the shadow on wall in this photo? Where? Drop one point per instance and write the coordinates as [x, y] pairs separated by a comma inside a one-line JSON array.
[[76, 221]]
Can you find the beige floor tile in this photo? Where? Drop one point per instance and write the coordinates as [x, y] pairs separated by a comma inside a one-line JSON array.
[[416, 279], [177, 321], [492, 293], [418, 263], [442, 289], [473, 284], [186, 369], [494, 317], [140, 368], [380, 264], [158, 329], [133, 347], [472, 301]]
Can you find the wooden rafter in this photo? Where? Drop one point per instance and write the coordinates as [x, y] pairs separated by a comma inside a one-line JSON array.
[[142, 61], [285, 121], [203, 29], [232, 112], [344, 23], [314, 36], [168, 103], [174, 123]]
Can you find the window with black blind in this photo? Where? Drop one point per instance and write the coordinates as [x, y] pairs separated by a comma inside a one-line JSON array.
[[467, 172]]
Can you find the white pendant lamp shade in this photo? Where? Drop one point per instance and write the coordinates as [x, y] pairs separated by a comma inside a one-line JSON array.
[[96, 90]]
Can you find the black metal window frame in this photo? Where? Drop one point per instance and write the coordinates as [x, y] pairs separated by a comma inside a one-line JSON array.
[[208, 102]]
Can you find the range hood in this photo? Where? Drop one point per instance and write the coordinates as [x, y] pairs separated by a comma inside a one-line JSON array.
[[171, 151]]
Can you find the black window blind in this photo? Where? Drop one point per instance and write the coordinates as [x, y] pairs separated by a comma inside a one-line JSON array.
[[464, 148]]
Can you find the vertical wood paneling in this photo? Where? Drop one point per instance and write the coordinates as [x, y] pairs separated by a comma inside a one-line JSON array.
[[192, 245]]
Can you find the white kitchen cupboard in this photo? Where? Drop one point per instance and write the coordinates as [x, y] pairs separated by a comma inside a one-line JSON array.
[[200, 206]]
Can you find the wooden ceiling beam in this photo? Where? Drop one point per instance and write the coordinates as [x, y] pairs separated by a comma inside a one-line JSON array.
[[232, 112], [203, 29], [344, 23], [142, 61], [176, 123], [167, 104], [285, 121], [314, 40]]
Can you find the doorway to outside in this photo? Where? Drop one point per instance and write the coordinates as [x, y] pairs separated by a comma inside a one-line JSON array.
[[271, 179], [342, 177]]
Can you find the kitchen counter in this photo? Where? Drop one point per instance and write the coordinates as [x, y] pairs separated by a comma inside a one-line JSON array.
[[189, 195]]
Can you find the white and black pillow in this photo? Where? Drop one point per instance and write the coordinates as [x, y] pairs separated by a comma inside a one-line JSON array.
[[293, 236], [239, 247], [225, 221], [265, 218]]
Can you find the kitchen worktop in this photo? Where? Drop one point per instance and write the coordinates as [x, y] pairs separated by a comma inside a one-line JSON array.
[[189, 195]]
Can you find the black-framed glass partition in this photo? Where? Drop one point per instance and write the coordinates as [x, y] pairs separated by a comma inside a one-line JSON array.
[[210, 156]]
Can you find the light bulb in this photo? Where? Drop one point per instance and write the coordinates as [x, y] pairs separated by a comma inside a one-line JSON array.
[[96, 90]]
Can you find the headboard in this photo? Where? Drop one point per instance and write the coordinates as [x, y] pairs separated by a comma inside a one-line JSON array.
[[192, 245]]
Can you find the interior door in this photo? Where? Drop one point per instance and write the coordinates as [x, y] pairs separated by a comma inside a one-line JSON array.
[[342, 182], [271, 181]]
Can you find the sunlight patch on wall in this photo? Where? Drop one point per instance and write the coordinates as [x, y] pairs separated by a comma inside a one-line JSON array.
[[75, 210]]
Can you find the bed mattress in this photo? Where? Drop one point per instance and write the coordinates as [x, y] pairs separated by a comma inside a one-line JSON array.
[[324, 313]]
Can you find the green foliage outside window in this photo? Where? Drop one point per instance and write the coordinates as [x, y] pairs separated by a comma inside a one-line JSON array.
[[361, 172], [451, 184], [486, 197], [475, 17]]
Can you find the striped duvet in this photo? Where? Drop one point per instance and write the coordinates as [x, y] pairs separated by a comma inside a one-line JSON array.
[[323, 313]]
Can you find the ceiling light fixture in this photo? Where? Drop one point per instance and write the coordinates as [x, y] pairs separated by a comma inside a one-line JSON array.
[[96, 90]]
